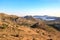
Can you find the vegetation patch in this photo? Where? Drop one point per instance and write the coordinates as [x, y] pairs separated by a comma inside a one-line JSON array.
[[3, 26]]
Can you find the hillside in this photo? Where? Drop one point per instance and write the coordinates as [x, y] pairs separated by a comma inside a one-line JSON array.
[[50, 20], [13, 27]]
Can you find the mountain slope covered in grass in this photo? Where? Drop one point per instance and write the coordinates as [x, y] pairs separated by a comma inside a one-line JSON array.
[[13, 27]]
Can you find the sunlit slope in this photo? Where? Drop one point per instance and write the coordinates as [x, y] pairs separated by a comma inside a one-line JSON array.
[[13, 27]]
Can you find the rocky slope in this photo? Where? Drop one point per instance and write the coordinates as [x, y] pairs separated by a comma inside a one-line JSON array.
[[13, 27]]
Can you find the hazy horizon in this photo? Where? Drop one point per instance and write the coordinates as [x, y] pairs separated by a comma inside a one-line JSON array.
[[30, 7]]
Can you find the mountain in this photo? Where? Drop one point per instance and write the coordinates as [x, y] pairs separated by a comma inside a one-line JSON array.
[[13, 27], [47, 18], [50, 20]]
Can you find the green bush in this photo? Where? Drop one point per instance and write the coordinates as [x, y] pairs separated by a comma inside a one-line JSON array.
[[3, 26]]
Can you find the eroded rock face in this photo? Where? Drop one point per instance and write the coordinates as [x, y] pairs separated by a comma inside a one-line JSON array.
[[30, 30]]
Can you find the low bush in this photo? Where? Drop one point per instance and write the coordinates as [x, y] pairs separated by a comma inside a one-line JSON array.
[[3, 26]]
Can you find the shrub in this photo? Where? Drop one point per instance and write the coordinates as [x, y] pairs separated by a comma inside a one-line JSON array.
[[16, 35], [3, 26]]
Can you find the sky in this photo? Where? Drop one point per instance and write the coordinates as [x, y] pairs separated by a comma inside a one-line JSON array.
[[30, 7]]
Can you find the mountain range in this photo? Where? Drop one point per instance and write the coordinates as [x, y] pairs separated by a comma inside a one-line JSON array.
[[47, 18]]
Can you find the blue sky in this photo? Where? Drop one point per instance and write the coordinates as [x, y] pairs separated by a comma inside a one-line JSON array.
[[30, 7]]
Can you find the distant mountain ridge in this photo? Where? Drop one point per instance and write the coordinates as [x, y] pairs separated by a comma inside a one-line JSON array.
[[47, 18]]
